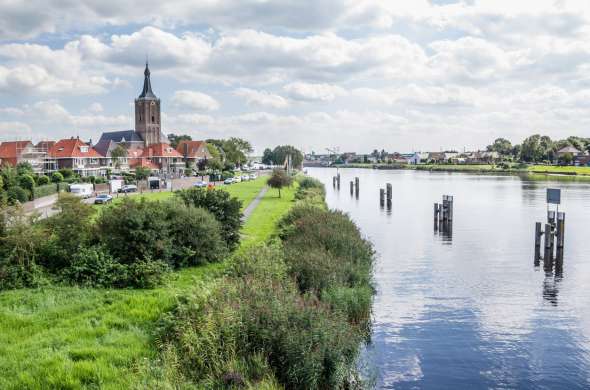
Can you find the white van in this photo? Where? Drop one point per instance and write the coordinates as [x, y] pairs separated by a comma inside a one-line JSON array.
[[83, 190]]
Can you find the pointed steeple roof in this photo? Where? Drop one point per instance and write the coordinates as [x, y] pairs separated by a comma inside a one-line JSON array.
[[147, 93]]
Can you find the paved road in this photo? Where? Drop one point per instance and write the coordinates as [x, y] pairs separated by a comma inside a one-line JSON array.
[[248, 211]]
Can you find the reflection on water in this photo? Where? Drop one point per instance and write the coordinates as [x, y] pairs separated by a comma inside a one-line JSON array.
[[474, 314]]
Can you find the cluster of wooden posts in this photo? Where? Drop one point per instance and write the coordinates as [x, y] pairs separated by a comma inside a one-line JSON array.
[[336, 181], [355, 187], [385, 194], [443, 215], [553, 240]]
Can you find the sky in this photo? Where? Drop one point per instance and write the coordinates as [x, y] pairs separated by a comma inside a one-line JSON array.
[[420, 75]]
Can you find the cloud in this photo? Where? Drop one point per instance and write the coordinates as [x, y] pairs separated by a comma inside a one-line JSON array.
[[261, 98], [195, 100], [313, 92]]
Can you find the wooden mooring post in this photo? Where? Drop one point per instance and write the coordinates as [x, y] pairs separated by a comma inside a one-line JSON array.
[[338, 180], [389, 191], [356, 186], [381, 197], [351, 187]]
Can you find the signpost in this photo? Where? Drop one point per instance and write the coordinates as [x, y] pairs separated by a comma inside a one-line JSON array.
[[553, 196]]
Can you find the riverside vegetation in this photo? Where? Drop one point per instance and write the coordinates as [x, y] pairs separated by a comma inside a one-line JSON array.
[[291, 313]]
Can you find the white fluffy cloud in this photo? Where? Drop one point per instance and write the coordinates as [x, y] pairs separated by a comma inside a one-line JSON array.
[[195, 100], [311, 92], [261, 98]]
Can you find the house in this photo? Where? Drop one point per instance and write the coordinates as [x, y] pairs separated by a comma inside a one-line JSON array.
[[417, 157], [109, 141], [163, 157], [193, 151], [76, 155], [15, 152], [482, 157], [568, 149]]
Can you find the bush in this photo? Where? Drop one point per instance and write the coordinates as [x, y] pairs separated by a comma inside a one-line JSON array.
[[227, 175], [57, 177], [95, 267], [71, 228], [225, 209], [257, 318], [135, 230], [19, 194], [279, 179], [44, 190], [66, 173], [146, 273], [196, 236], [26, 181], [21, 245], [43, 180]]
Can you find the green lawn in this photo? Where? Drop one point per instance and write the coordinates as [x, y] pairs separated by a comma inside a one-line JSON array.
[[552, 169], [70, 338], [245, 191]]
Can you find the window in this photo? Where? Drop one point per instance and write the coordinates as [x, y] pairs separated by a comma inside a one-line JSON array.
[[153, 119], [84, 149]]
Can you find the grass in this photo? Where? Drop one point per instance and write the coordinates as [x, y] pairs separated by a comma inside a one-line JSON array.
[[565, 170], [245, 191], [72, 338]]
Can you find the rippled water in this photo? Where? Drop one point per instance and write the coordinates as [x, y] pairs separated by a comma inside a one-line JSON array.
[[469, 309]]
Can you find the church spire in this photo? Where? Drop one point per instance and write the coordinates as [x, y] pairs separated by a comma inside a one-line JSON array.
[[147, 93]]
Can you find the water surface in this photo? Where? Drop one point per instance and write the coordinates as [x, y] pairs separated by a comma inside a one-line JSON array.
[[468, 308]]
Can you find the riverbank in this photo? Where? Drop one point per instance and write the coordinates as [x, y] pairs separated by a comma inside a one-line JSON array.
[[583, 172], [69, 337]]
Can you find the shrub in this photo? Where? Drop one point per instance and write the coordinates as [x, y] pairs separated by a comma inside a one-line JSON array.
[[225, 209], [66, 173], [26, 181], [146, 273], [43, 180], [95, 267], [71, 228], [24, 168], [57, 177], [257, 318], [135, 230], [19, 194], [196, 236], [44, 190], [21, 245], [227, 175]]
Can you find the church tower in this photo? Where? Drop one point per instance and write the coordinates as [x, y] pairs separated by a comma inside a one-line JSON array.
[[147, 112]]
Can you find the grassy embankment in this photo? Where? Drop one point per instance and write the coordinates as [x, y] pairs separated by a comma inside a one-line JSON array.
[[69, 338], [558, 170]]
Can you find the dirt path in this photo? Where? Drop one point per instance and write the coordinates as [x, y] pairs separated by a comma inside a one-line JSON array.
[[252, 206]]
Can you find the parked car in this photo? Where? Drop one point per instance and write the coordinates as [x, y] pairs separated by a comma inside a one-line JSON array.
[[253, 176], [103, 198], [237, 179], [245, 177], [229, 180], [200, 184], [128, 188]]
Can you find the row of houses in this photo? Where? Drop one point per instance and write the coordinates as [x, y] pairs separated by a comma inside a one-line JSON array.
[[118, 151], [86, 159]]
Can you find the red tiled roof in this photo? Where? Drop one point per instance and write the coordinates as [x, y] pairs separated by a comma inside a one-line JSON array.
[[66, 148], [46, 145], [11, 149], [193, 148], [160, 150], [143, 162]]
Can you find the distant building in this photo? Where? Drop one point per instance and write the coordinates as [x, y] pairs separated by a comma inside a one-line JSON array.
[[193, 151], [15, 152], [569, 149], [76, 155]]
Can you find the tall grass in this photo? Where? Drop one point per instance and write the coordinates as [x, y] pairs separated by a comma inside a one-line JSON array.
[[292, 313]]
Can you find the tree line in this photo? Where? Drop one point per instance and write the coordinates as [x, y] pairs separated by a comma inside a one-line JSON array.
[[538, 148], [278, 156]]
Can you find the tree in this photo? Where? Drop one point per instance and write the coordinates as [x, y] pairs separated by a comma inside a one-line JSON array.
[[279, 179], [530, 150], [267, 157], [566, 159], [233, 150], [26, 181], [9, 175], [142, 173], [66, 173], [502, 146], [281, 152], [57, 177], [24, 168], [117, 154], [176, 139]]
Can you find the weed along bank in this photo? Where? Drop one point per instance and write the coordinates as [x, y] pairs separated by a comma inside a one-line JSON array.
[[182, 291]]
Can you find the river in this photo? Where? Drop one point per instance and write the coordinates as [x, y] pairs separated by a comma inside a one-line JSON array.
[[469, 309]]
